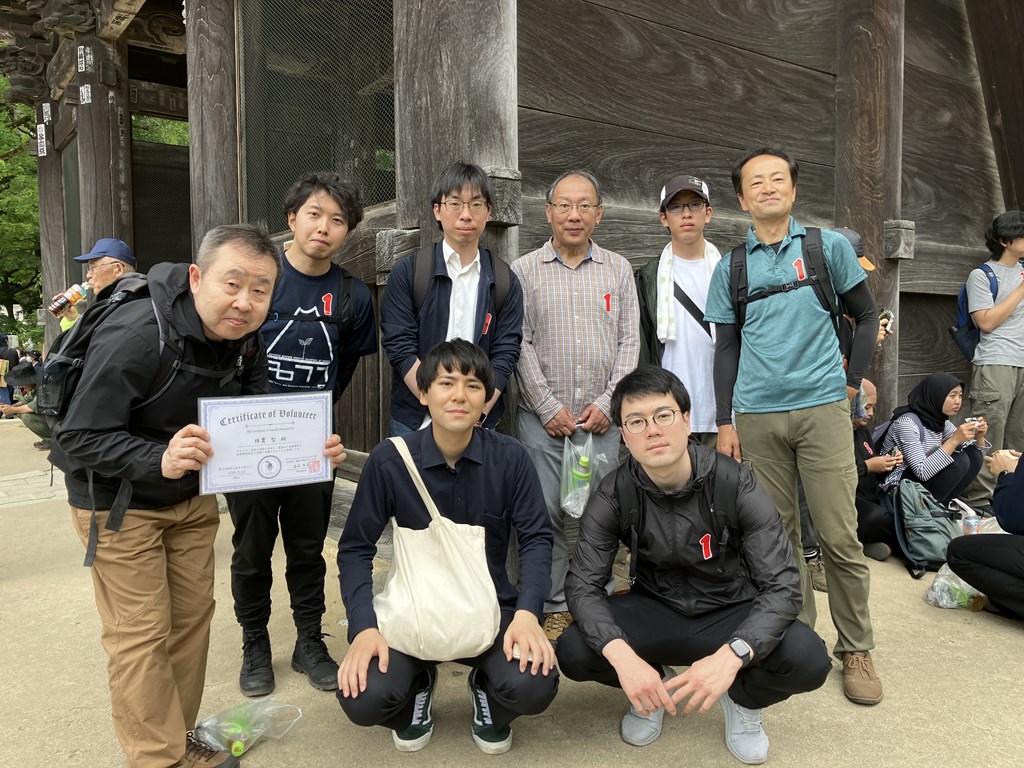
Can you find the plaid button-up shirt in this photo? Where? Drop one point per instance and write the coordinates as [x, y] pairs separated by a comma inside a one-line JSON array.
[[581, 330]]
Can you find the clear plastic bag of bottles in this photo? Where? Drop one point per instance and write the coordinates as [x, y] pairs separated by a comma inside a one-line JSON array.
[[577, 473], [950, 591], [235, 730]]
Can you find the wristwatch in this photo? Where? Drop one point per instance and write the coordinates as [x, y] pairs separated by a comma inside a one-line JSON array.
[[742, 650]]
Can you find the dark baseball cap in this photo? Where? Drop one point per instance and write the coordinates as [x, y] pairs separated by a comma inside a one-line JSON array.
[[108, 246], [858, 246], [677, 184]]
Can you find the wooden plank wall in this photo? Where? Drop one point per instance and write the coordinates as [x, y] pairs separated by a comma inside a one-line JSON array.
[[950, 183], [637, 91]]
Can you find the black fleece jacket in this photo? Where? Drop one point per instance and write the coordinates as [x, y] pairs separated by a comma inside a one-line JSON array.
[[757, 564], [105, 433]]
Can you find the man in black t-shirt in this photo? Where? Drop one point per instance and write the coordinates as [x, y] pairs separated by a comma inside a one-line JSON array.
[[315, 334]]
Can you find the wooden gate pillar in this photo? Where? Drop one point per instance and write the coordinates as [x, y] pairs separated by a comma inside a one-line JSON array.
[[869, 129]]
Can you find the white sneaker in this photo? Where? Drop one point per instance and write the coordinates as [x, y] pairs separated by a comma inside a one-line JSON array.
[[640, 730], [744, 735]]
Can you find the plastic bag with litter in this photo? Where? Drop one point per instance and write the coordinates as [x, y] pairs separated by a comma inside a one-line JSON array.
[[236, 729]]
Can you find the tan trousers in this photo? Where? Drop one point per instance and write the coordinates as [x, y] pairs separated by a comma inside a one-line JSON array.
[[154, 591], [997, 394], [817, 443]]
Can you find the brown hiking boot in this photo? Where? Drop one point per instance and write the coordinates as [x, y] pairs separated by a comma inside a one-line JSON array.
[[198, 755], [817, 570], [860, 683], [556, 623]]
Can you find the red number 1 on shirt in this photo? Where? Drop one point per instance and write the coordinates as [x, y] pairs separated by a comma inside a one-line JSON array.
[[327, 299], [607, 302], [798, 265], [705, 546]]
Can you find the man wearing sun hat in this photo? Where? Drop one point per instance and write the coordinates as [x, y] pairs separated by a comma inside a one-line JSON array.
[[673, 291]]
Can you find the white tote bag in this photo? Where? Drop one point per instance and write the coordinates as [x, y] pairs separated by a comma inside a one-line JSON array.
[[438, 602]]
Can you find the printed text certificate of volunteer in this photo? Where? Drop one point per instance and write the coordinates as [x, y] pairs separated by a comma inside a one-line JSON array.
[[265, 441]]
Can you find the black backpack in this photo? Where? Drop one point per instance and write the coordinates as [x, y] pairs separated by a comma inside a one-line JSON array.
[[423, 272], [62, 371], [966, 335], [727, 472], [817, 277]]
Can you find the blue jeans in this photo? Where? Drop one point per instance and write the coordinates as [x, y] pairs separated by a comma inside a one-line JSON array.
[[398, 429]]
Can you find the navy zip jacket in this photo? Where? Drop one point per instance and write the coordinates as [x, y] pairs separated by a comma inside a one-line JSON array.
[[408, 336]]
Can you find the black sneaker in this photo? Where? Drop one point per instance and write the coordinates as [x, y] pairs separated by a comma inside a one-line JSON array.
[[417, 735], [312, 659], [257, 675], [491, 740], [42, 445]]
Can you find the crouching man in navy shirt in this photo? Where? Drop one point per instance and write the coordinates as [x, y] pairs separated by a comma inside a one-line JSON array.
[[477, 477]]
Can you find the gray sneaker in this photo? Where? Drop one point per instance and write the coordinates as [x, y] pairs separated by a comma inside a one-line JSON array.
[[640, 730], [744, 735]]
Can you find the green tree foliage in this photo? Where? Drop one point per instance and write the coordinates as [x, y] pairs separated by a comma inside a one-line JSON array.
[[159, 130], [20, 264]]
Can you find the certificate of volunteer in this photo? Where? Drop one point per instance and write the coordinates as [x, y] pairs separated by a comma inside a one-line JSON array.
[[265, 441]]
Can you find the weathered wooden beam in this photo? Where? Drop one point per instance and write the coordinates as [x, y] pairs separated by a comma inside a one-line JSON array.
[[104, 140], [157, 30], [114, 17], [62, 67], [51, 211], [996, 26], [158, 99], [471, 117], [391, 245], [213, 117], [869, 129]]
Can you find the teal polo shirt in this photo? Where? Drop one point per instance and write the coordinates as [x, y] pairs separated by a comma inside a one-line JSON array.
[[789, 353]]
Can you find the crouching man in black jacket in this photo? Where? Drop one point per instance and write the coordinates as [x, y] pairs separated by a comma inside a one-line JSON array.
[[130, 448], [715, 589]]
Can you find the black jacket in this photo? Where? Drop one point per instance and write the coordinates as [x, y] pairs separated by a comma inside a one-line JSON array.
[[103, 432], [757, 563]]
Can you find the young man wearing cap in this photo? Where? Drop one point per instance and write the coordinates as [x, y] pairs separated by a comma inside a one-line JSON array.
[[673, 291], [791, 393]]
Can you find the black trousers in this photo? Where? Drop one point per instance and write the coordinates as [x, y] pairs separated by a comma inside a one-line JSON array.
[[389, 698], [661, 635], [304, 512], [994, 564], [951, 481], [876, 524]]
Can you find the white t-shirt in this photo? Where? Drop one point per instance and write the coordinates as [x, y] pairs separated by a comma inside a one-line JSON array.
[[691, 355]]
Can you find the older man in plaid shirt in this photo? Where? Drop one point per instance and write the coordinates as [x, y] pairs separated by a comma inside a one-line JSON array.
[[580, 336]]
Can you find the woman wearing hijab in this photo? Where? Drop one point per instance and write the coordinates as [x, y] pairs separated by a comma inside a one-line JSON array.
[[944, 458]]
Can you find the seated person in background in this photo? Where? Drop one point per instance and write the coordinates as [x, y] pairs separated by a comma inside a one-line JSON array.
[[944, 458], [720, 598], [24, 375], [876, 527], [994, 563], [478, 477]]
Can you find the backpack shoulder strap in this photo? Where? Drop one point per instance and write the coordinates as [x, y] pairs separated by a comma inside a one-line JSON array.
[[993, 282], [502, 281], [630, 506], [814, 255], [727, 475], [345, 305], [738, 283], [423, 269]]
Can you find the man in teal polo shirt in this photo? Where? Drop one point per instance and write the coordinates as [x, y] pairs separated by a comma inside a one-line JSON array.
[[783, 376]]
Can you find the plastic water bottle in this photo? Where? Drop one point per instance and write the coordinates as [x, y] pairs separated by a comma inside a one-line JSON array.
[[241, 737], [581, 474], [70, 297]]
